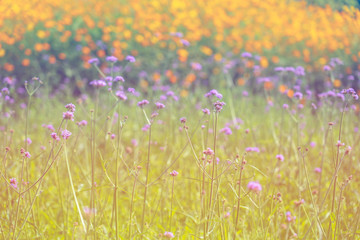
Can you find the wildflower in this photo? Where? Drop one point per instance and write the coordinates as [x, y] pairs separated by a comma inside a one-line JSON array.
[[196, 66], [68, 116], [227, 215], [168, 235], [142, 103], [130, 58], [82, 123], [298, 95], [111, 59], [5, 90], [134, 142], [145, 128], [55, 136], [218, 106], [174, 173], [66, 134], [245, 94], [279, 69], [208, 152], [183, 120], [27, 154], [112, 136], [327, 68], [206, 111], [312, 144], [119, 79], [285, 106], [98, 83], [70, 107], [280, 157], [252, 149], [254, 186], [13, 182], [246, 55], [121, 95], [28, 140], [290, 218], [317, 170], [185, 42], [226, 131], [340, 144], [348, 150], [213, 92], [94, 61], [159, 105]]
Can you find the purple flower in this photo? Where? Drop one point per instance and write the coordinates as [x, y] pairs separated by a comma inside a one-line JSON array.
[[13, 182], [119, 79], [27, 155], [142, 103], [168, 235], [55, 136], [327, 68], [111, 59], [196, 66], [213, 92], [94, 61], [218, 106], [146, 127], [279, 69], [280, 157], [183, 120], [226, 131], [121, 95], [208, 152], [246, 55], [254, 186], [68, 116], [174, 173], [206, 111], [159, 105], [70, 107], [185, 42], [130, 58], [65, 134], [82, 123], [98, 83]]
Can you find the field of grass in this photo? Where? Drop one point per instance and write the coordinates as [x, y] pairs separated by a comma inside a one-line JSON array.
[[128, 120]]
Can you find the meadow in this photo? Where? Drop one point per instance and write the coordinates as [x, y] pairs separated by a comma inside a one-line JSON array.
[[179, 120]]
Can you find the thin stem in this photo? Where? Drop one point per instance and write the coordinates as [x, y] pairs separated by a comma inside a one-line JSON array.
[[73, 189], [146, 183]]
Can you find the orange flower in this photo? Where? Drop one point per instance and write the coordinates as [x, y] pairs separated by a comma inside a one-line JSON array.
[[9, 67], [25, 62], [52, 59], [337, 83]]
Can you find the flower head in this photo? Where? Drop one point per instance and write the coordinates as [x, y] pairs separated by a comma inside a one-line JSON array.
[[142, 103], [174, 173], [168, 235], [130, 58], [280, 157], [65, 134], [111, 59], [94, 61], [254, 186]]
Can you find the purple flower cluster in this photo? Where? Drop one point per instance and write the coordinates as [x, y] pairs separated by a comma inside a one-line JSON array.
[[215, 93], [254, 187], [218, 106], [142, 103], [252, 149]]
